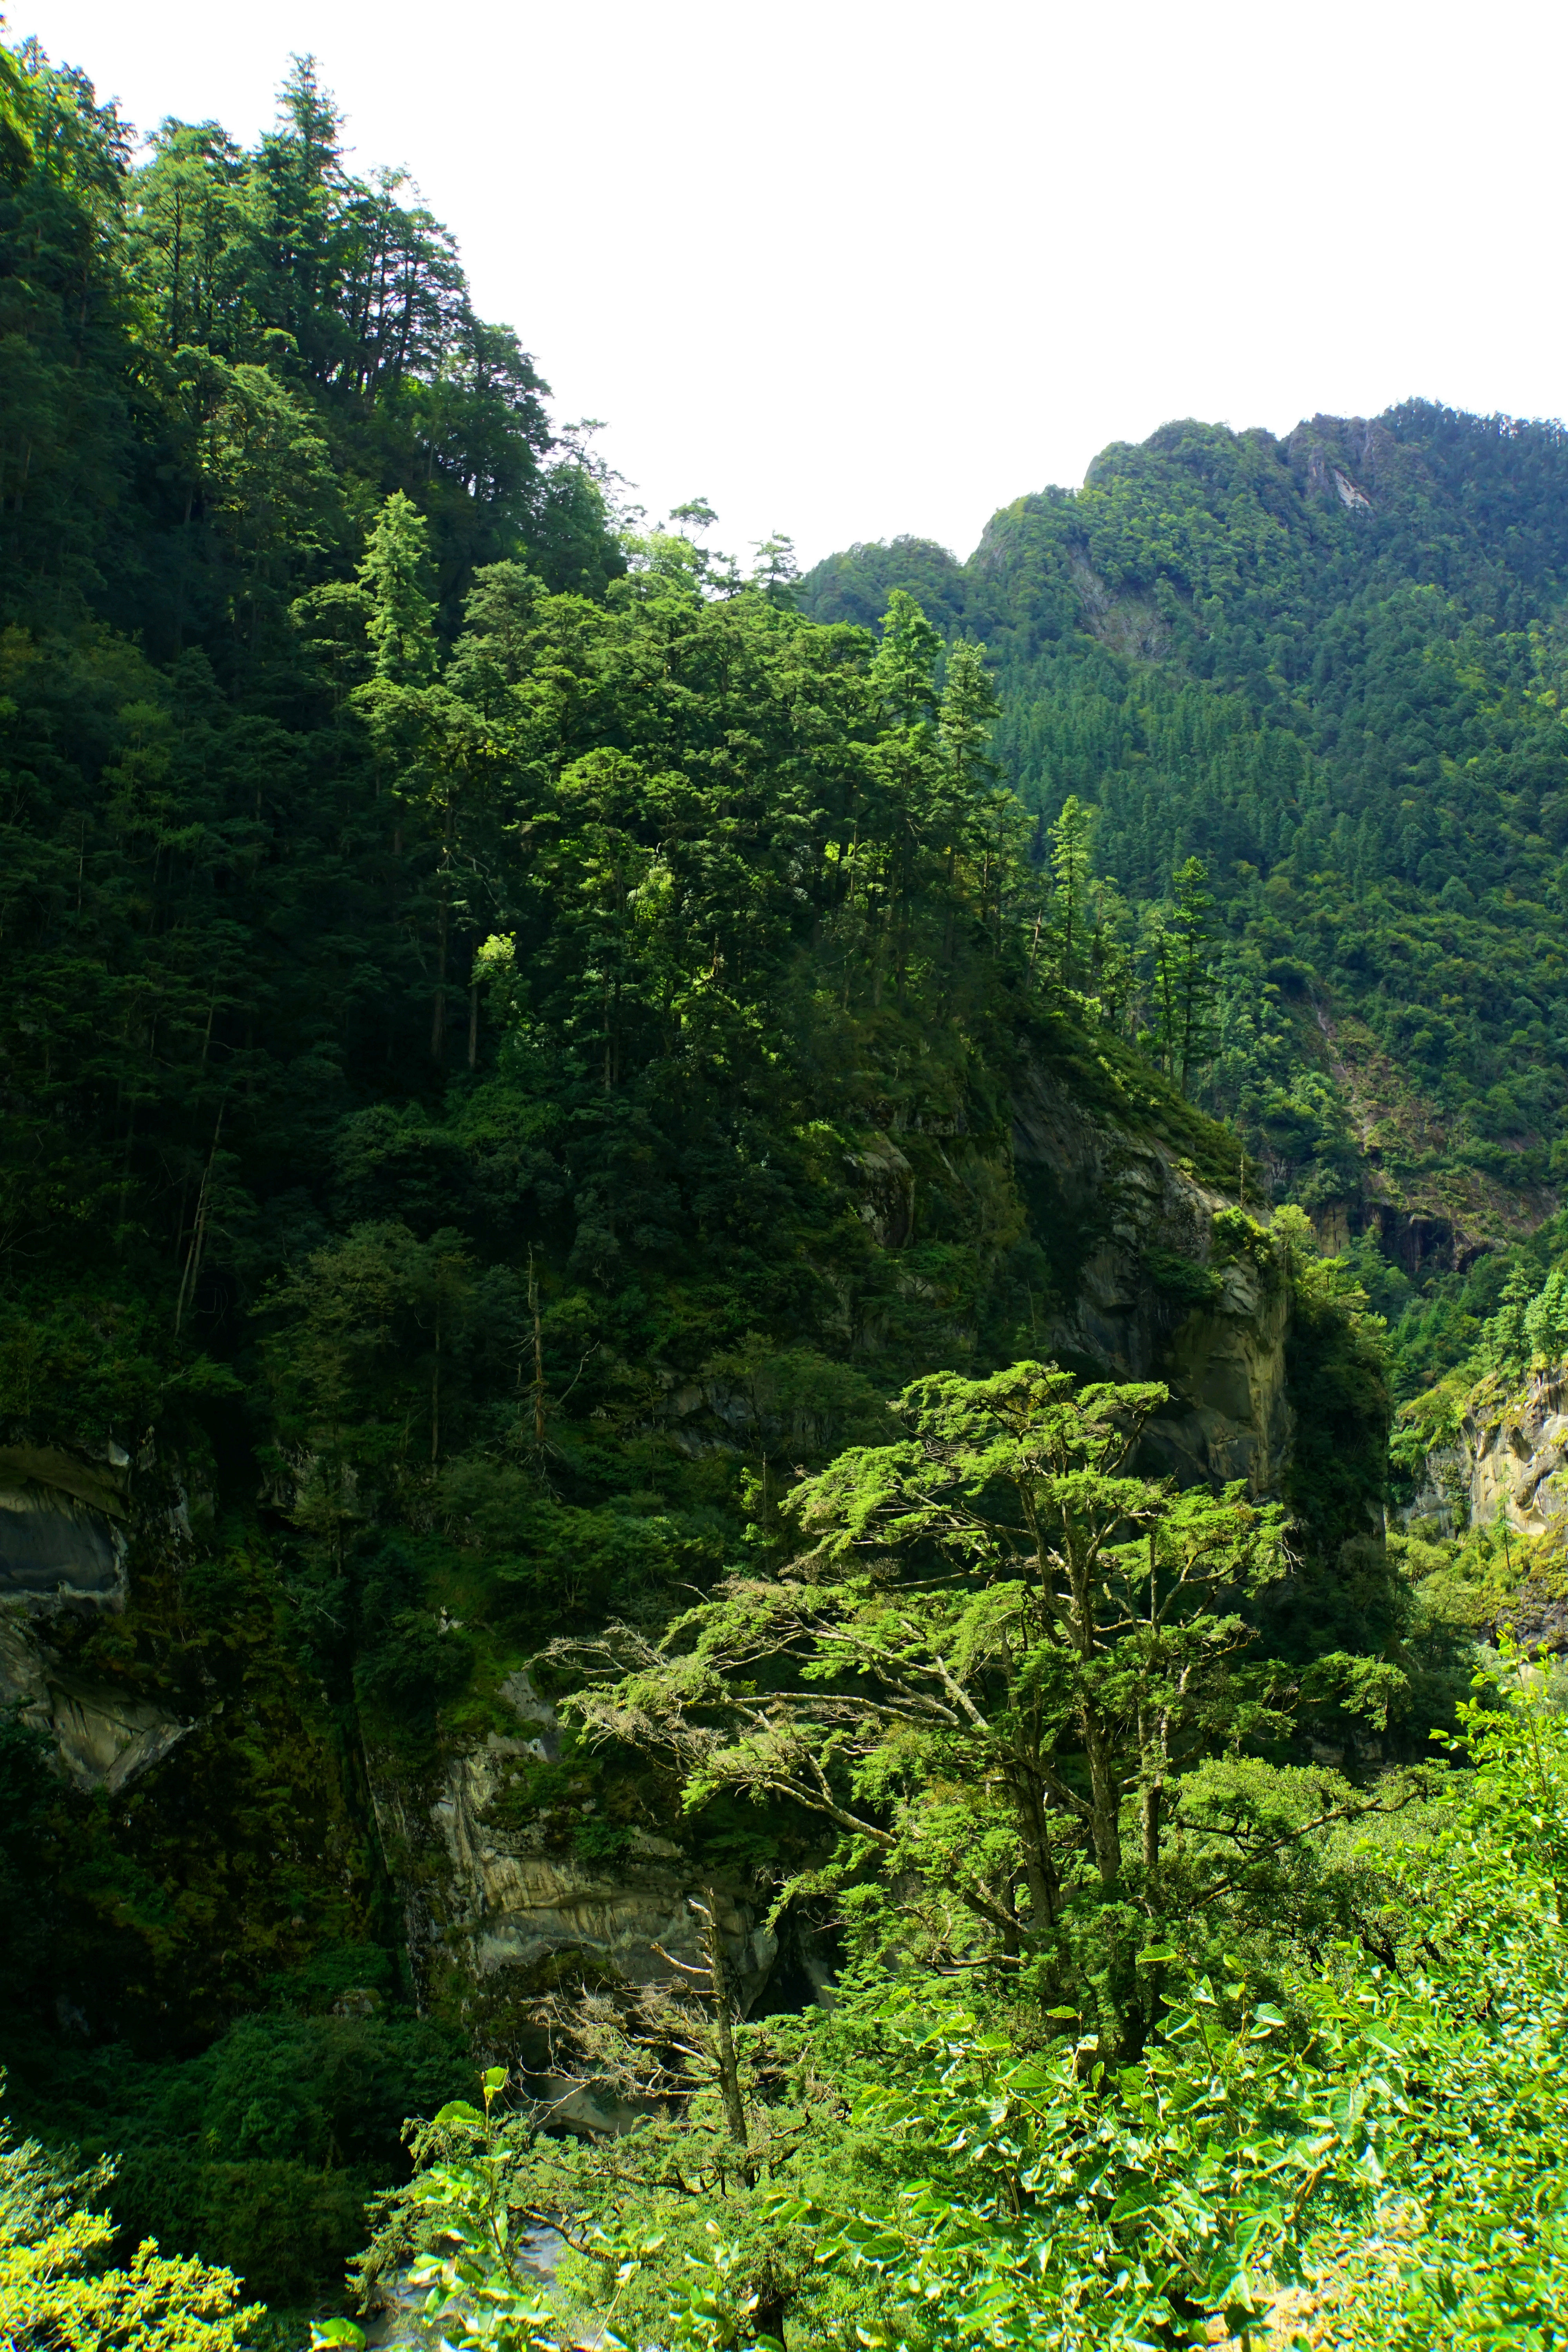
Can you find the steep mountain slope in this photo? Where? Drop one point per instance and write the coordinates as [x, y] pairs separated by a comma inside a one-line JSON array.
[[513, 1048], [1480, 1449], [1331, 668]]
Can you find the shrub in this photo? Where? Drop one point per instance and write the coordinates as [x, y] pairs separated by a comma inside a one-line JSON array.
[[55, 2292]]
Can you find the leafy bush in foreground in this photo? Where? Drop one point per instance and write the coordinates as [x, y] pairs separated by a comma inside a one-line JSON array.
[[56, 2294], [1374, 2162], [1392, 2153]]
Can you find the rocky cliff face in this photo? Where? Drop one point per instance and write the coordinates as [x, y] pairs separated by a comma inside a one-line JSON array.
[[63, 1553], [1502, 1466], [1157, 1277], [498, 1906], [519, 1903], [1506, 1460], [1149, 1295], [208, 1830]]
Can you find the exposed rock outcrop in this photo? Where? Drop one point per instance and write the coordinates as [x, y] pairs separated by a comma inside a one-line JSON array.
[[1518, 1455], [523, 1905], [1501, 1464], [1507, 1460], [59, 1544], [888, 1188], [102, 1739], [512, 1909], [63, 1547], [1148, 1299]]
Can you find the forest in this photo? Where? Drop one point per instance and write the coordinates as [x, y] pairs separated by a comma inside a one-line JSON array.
[[782, 1516]]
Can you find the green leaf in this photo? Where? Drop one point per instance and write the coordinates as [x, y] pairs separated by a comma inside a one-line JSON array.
[[458, 2111], [1151, 1957], [788, 2212]]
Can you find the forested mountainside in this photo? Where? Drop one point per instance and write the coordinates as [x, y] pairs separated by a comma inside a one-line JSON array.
[[664, 1399], [1331, 668]]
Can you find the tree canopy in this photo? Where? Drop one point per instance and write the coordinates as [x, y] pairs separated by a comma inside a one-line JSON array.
[[629, 1195]]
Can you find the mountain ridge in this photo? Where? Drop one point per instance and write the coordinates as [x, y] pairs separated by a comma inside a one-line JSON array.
[[1331, 665]]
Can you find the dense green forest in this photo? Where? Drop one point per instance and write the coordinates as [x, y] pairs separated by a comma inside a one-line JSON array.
[[704, 1282], [1331, 668]]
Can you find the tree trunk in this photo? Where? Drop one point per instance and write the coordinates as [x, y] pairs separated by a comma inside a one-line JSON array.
[[438, 1015], [538, 1359], [192, 1273], [724, 2028], [1105, 1810]]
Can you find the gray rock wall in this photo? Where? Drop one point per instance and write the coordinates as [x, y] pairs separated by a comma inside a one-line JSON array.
[[1224, 1360], [59, 1545], [1509, 1461], [508, 1911], [63, 1547]]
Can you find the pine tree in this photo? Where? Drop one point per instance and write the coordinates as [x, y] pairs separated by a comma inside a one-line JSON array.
[[1111, 971], [1159, 953], [968, 719], [1070, 867], [775, 573], [1195, 978], [394, 576], [904, 670]]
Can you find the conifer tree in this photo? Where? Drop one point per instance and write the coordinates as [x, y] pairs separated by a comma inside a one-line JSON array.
[[903, 673], [1008, 1647], [968, 719], [1070, 837], [1159, 953], [1195, 978], [401, 624], [1111, 961], [775, 573]]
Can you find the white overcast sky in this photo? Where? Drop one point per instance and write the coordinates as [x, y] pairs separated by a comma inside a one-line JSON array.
[[849, 268]]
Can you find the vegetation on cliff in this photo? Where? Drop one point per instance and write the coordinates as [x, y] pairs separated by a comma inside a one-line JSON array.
[[1331, 668], [1347, 2149], [510, 1064], [465, 971]]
